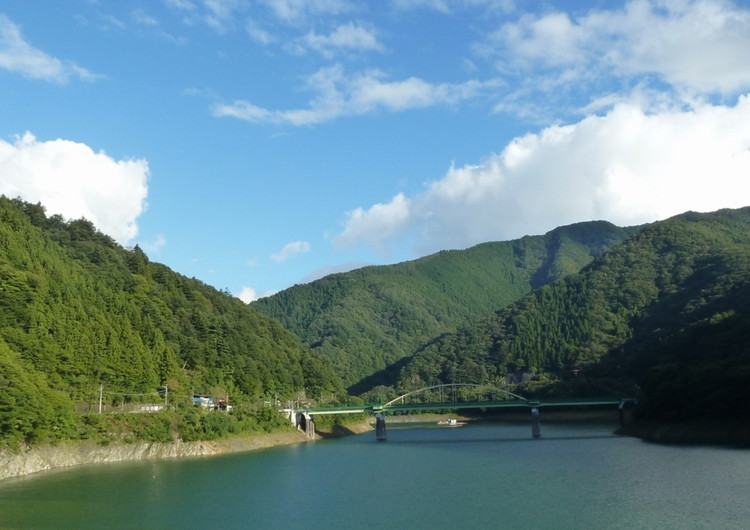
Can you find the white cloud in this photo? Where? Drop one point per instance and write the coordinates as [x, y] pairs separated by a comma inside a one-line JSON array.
[[291, 249], [180, 4], [449, 6], [693, 45], [142, 17], [219, 15], [377, 225], [16, 55], [248, 294], [294, 10], [337, 95], [155, 245], [701, 45], [347, 37], [72, 180], [258, 34], [628, 167]]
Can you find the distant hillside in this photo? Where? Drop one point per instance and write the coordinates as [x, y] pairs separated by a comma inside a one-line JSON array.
[[78, 311], [371, 320], [668, 310]]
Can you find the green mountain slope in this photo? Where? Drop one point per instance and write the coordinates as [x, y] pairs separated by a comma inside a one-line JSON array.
[[370, 320], [78, 311], [668, 309]]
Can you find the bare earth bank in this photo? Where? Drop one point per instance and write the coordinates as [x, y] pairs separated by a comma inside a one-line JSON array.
[[44, 458]]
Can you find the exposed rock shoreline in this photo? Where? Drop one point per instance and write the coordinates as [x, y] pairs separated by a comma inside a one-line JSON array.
[[32, 460], [44, 458]]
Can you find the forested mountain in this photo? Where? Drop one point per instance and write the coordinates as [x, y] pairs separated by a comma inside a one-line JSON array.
[[370, 320], [668, 310], [585, 309], [78, 311]]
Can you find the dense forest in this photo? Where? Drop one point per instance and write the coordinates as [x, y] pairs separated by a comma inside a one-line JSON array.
[[664, 315], [79, 313], [371, 320], [661, 312]]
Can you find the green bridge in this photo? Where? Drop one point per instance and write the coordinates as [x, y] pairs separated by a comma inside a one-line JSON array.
[[452, 397]]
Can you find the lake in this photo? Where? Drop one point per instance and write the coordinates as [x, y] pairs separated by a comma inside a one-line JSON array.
[[575, 476]]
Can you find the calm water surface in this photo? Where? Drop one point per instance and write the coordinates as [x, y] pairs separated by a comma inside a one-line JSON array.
[[488, 476]]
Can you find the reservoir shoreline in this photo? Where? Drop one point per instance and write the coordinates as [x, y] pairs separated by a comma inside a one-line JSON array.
[[37, 459], [32, 460]]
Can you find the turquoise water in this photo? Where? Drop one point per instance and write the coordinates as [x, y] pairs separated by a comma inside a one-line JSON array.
[[488, 476]]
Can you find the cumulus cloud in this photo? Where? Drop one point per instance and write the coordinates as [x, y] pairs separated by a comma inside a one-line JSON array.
[[346, 37], [693, 45], [337, 95], [248, 294], [72, 180], [376, 225], [17, 55], [291, 249], [627, 166]]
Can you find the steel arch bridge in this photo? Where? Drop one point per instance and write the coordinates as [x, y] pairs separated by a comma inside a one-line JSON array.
[[452, 396], [456, 396]]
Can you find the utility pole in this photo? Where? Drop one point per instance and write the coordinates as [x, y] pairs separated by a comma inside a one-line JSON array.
[[166, 395], [101, 393]]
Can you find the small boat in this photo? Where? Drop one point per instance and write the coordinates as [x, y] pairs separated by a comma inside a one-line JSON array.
[[451, 423]]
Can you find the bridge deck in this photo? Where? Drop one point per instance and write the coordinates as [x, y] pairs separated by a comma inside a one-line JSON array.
[[417, 407]]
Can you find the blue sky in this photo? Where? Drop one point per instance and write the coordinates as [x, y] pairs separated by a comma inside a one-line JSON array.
[[255, 144]]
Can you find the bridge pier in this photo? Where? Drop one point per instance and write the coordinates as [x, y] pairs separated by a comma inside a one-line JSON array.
[[380, 434], [309, 427], [305, 423], [536, 429]]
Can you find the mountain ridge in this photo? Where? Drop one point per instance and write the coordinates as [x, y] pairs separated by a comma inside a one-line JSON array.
[[667, 310], [384, 313]]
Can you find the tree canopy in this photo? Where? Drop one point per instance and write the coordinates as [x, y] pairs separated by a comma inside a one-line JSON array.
[[78, 311], [370, 320], [665, 313], [661, 311]]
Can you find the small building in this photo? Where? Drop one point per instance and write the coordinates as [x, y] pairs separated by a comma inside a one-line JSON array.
[[204, 401], [223, 404]]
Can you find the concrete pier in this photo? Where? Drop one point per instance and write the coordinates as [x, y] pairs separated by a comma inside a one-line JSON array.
[[536, 429], [380, 433]]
